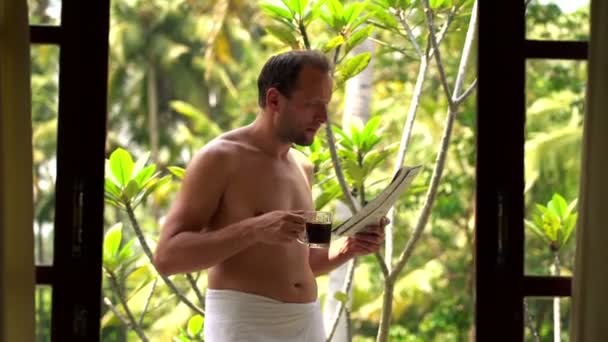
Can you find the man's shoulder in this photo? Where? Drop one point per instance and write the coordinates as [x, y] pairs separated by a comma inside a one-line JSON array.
[[220, 152], [302, 159]]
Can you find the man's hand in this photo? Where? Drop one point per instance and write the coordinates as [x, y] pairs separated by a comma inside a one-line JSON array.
[[364, 242], [279, 227]]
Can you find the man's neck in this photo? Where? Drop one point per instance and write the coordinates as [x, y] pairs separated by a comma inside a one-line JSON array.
[[264, 137]]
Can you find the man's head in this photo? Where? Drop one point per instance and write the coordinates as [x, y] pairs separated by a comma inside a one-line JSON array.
[[294, 89]]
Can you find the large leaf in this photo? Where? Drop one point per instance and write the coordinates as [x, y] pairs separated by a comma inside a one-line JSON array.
[[384, 17], [131, 190], [352, 66], [358, 37], [313, 12], [111, 244], [126, 252], [283, 34], [551, 225], [352, 12], [121, 165], [537, 231], [333, 43], [571, 207], [140, 163], [558, 205], [111, 188], [301, 4], [276, 11], [195, 325], [569, 226], [144, 175], [177, 171]]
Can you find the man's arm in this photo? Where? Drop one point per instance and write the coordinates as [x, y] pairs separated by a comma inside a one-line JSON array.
[[319, 258], [185, 245]]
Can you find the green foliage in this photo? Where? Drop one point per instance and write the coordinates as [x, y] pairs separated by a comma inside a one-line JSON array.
[[193, 331], [115, 256], [555, 222], [127, 184]]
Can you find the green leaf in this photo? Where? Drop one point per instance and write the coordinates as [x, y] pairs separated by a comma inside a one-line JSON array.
[[333, 43], [537, 231], [302, 4], [195, 325], [384, 17], [314, 12], [358, 37], [341, 297], [144, 176], [126, 251], [551, 225], [276, 11], [569, 226], [121, 165], [435, 4], [283, 34], [329, 193], [177, 171], [111, 188], [352, 66], [558, 205], [571, 207], [354, 171], [373, 159], [345, 140], [140, 163], [356, 136], [156, 185], [131, 190], [371, 127], [335, 8], [352, 12], [111, 243], [348, 154]]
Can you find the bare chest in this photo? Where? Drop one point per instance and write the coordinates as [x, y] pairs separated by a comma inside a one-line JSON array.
[[260, 188]]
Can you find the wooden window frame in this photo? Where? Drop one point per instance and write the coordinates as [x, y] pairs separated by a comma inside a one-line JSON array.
[[75, 275], [501, 284]]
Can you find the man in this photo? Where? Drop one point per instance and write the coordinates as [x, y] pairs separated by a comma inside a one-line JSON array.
[[239, 214]]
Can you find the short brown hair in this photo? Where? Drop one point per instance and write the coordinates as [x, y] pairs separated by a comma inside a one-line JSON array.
[[281, 71]]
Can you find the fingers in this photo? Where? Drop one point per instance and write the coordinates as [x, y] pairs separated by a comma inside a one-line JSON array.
[[295, 217]]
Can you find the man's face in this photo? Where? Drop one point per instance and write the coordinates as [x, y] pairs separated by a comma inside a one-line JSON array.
[[301, 115]]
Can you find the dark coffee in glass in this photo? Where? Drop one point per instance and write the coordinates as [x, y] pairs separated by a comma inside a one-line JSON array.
[[318, 229]]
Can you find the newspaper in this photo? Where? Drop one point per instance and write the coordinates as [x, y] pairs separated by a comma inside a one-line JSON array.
[[374, 210]]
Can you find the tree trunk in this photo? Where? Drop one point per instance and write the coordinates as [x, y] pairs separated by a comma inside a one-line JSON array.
[[357, 101]]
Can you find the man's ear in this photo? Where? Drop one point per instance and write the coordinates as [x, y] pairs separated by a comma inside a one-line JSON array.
[[273, 98]]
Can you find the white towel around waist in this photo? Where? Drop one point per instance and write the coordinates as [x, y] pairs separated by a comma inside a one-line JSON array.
[[233, 316]]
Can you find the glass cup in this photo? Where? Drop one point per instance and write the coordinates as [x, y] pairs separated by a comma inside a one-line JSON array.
[[318, 229]]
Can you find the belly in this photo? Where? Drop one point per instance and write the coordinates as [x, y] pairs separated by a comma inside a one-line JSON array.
[[279, 272]]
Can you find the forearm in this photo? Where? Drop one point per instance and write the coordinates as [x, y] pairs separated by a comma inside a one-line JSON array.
[[191, 251], [323, 261]]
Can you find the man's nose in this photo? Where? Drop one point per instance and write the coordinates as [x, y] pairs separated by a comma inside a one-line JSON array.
[[321, 116]]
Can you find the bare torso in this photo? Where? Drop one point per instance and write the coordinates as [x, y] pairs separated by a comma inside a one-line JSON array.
[[260, 184]]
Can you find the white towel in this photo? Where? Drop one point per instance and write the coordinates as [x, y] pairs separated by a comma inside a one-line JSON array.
[[233, 316]]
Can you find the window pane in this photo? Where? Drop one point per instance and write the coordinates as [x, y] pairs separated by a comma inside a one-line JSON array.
[[45, 72], [542, 320], [44, 295], [44, 12], [555, 96], [558, 20]]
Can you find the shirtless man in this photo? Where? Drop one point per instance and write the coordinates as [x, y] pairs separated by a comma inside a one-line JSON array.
[[239, 214]]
